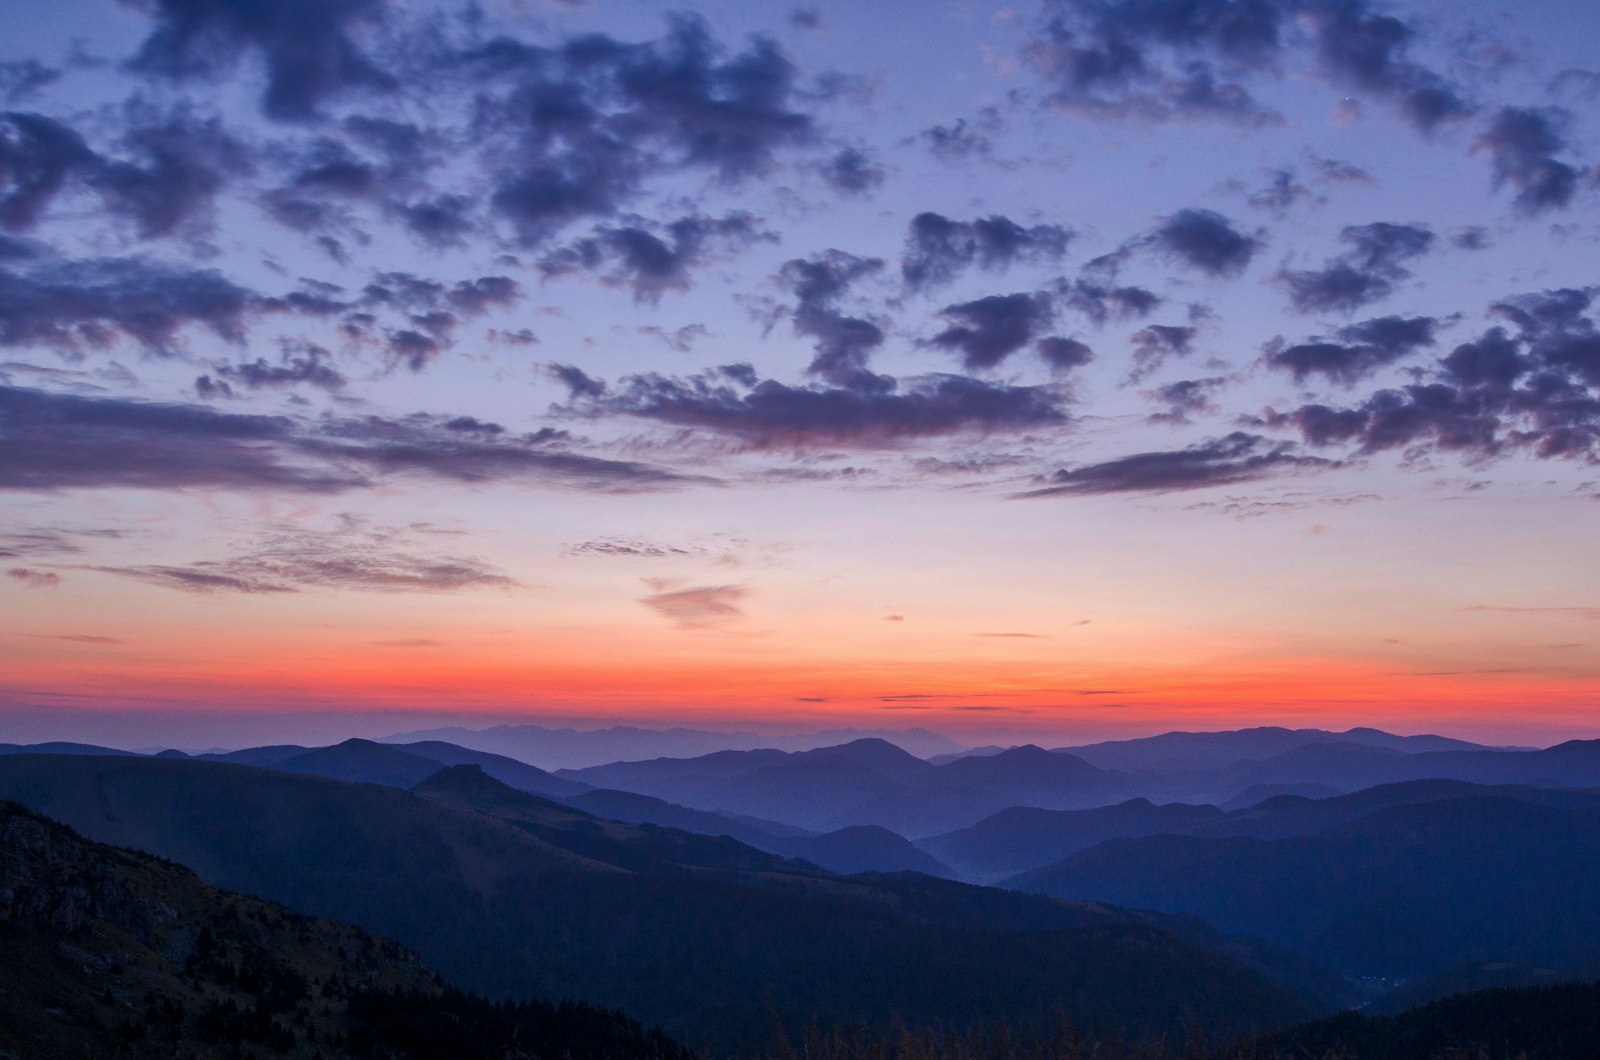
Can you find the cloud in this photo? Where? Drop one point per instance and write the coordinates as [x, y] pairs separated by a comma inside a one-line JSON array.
[[1154, 345], [1101, 302], [1205, 241], [1532, 389], [93, 303], [1366, 273], [628, 547], [844, 343], [61, 441], [1522, 144], [766, 414], [1238, 457], [1184, 399], [355, 556], [1592, 614], [80, 638], [852, 171], [652, 259], [1365, 51], [300, 364], [1158, 62], [1282, 192], [938, 248], [1362, 349], [699, 607], [34, 579], [574, 130], [988, 330], [310, 47]]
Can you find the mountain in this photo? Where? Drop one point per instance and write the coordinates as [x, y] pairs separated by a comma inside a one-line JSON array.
[[567, 748], [1533, 1023], [1180, 752], [508, 771], [1400, 892], [108, 952], [633, 808], [1021, 837], [863, 782], [58, 748], [513, 894], [364, 762], [860, 848]]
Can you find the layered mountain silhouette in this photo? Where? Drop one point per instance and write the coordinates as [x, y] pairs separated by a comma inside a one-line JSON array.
[[1397, 891], [107, 952], [514, 894]]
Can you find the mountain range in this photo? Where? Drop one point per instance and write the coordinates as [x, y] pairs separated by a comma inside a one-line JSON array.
[[511, 893]]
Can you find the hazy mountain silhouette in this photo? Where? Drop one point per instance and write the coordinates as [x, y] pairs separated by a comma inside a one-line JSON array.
[[860, 848], [1174, 752], [58, 747], [567, 748], [1403, 891], [1021, 838], [634, 808], [863, 782], [525, 895]]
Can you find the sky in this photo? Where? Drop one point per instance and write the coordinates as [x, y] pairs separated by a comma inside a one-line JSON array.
[[1049, 371]]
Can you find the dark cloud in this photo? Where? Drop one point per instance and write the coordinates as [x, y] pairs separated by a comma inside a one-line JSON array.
[[770, 414], [176, 168], [1205, 241], [1100, 302], [21, 79], [1153, 345], [1360, 350], [38, 155], [1158, 60], [300, 364], [652, 259], [1238, 457], [355, 556], [938, 248], [1281, 192], [700, 607], [844, 343], [1366, 273], [1365, 51], [852, 171], [577, 128], [60, 441], [987, 331], [34, 579], [1522, 144], [310, 47], [1063, 354], [962, 139], [1184, 399], [91, 304]]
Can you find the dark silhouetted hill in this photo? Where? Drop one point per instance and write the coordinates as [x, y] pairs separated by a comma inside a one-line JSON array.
[[111, 953]]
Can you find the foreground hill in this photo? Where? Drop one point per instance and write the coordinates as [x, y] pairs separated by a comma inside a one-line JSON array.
[[1404, 891], [703, 935], [107, 952]]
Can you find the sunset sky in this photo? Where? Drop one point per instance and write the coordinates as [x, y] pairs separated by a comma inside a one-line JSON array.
[[1038, 371]]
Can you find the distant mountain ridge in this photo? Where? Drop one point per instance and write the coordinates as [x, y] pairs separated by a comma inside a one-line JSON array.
[[568, 748]]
